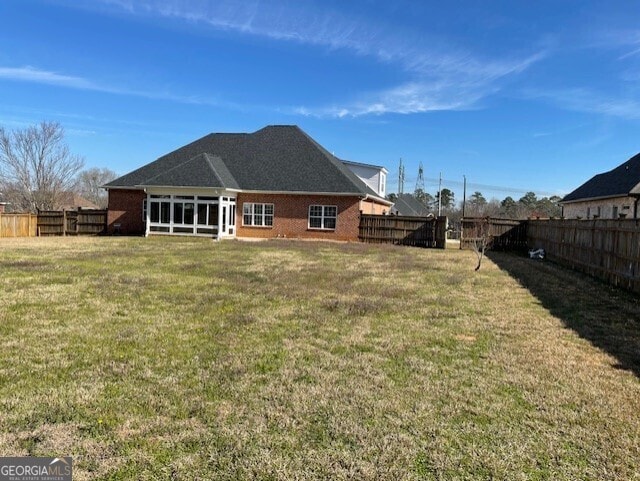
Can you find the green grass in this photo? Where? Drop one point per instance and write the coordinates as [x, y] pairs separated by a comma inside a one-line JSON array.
[[182, 358]]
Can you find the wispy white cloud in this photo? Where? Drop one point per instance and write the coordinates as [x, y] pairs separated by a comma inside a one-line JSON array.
[[437, 77], [463, 88], [589, 101], [625, 40], [32, 74], [35, 75]]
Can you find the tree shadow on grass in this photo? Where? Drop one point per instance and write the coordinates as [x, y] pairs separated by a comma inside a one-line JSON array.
[[606, 316]]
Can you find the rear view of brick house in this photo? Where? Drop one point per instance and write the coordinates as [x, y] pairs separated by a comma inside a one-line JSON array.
[[276, 182]]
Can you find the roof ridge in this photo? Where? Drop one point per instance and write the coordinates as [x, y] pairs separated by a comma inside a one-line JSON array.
[[219, 167], [205, 155], [337, 163]]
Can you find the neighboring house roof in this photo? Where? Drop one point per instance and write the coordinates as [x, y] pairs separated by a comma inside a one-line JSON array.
[[277, 158], [72, 201], [360, 164], [407, 204], [624, 180]]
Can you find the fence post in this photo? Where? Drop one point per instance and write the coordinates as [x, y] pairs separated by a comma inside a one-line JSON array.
[[441, 232]]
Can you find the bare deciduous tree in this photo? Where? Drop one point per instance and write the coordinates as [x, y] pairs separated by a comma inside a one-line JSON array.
[[480, 240], [90, 184], [36, 166]]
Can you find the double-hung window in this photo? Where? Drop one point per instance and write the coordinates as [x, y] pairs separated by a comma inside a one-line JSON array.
[[260, 215], [323, 217]]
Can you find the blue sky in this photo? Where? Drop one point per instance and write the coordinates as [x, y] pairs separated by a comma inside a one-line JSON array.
[[516, 95]]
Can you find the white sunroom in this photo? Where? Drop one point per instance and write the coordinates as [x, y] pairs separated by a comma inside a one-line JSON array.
[[211, 214]]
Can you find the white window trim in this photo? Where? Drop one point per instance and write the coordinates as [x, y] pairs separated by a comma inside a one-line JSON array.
[[263, 215], [322, 218], [158, 227]]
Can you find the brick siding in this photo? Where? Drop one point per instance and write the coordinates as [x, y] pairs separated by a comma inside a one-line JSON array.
[[291, 216], [125, 208], [589, 209]]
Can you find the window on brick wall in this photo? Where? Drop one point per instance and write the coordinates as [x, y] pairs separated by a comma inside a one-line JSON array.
[[323, 217], [259, 215]]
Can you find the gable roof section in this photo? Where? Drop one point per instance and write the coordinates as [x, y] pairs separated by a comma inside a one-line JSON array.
[[279, 158], [70, 201], [621, 181], [407, 204], [202, 169]]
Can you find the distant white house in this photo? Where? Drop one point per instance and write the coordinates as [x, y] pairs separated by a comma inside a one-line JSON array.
[[374, 176]]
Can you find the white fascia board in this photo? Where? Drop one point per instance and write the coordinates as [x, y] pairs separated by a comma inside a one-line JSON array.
[[361, 164], [379, 200]]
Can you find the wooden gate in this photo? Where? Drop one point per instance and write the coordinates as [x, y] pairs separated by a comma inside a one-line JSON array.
[[18, 225], [502, 234], [72, 222], [404, 230]]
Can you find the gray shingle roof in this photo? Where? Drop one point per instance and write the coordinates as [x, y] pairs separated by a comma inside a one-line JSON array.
[[617, 182], [277, 158], [407, 204]]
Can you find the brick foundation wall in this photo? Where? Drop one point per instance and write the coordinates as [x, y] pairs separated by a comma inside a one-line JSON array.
[[291, 216], [125, 208]]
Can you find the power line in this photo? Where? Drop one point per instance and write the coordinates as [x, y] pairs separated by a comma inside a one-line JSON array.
[[487, 187]]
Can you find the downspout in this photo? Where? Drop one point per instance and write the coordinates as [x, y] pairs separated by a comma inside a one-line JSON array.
[[147, 220]]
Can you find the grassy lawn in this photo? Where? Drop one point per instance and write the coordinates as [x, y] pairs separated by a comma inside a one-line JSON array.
[[168, 358]]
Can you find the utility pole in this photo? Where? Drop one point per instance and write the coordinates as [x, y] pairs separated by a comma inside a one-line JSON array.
[[440, 195], [420, 181], [464, 194], [401, 178]]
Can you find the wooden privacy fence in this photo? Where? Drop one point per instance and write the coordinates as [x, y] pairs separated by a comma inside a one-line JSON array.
[[501, 234], [404, 230], [72, 222], [18, 225], [603, 248], [608, 249]]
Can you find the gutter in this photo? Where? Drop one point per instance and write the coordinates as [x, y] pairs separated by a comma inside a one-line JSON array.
[[241, 191], [378, 199]]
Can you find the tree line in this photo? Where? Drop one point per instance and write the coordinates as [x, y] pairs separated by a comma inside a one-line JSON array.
[[529, 205], [38, 171]]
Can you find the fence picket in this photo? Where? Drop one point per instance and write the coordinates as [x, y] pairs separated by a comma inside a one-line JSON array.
[[608, 249], [405, 230], [47, 223], [18, 225]]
